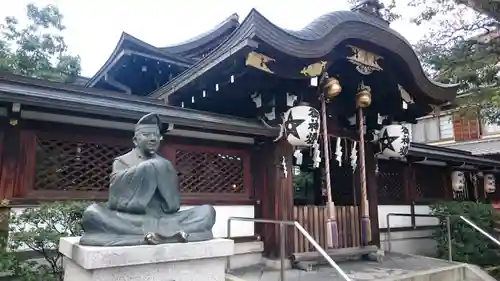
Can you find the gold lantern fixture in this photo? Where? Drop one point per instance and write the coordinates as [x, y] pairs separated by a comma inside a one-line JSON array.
[[331, 88], [364, 96]]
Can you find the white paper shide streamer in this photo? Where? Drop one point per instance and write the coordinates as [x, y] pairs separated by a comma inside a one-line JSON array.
[[338, 151], [354, 156]]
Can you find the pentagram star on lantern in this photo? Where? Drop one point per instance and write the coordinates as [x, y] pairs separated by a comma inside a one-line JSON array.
[[291, 126], [386, 141]]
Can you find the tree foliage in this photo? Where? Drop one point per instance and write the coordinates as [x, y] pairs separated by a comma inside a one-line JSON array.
[[37, 49], [468, 245], [38, 230], [462, 47]]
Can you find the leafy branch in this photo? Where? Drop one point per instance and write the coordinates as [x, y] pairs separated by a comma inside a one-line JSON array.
[[37, 49]]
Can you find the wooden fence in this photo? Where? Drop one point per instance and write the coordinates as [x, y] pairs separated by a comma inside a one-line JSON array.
[[313, 219]]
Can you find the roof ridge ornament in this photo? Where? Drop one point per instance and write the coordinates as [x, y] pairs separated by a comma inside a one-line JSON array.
[[373, 7]]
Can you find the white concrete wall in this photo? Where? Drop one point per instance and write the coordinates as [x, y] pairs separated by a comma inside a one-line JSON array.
[[418, 242], [238, 228]]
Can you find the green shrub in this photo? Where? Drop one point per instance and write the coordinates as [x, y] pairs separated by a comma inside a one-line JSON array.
[[39, 230], [468, 245]]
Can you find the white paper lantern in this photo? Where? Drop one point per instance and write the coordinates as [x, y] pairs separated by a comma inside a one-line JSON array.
[[489, 183], [458, 181], [302, 126], [394, 141]]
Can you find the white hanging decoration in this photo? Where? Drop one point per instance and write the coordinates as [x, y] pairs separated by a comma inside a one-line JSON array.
[[458, 181], [298, 156], [301, 126], [489, 183], [352, 120], [314, 81], [271, 115], [290, 99], [354, 156], [284, 167], [338, 152], [316, 155], [375, 135], [394, 141], [256, 98], [381, 119]]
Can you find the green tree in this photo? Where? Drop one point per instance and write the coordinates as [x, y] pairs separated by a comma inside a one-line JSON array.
[[38, 48], [39, 230], [462, 47]]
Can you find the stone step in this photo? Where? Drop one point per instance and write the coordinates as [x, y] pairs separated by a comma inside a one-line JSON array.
[[246, 254], [394, 267]]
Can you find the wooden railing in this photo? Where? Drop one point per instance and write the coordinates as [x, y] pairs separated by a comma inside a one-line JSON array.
[[313, 218]]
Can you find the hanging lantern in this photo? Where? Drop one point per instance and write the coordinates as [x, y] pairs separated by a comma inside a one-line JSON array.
[[458, 181], [489, 183], [394, 141], [331, 88], [301, 128]]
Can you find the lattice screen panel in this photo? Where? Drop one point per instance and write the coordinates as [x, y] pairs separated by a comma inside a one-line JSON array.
[[390, 181], [72, 165], [429, 182], [210, 172]]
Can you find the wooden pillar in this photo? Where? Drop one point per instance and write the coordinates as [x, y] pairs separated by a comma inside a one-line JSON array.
[[260, 184], [10, 157], [17, 170], [410, 190], [277, 204], [372, 191]]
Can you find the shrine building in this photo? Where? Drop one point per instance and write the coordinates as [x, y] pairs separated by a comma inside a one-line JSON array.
[[223, 96]]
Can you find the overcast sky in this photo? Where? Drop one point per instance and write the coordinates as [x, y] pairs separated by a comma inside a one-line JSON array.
[[94, 26]]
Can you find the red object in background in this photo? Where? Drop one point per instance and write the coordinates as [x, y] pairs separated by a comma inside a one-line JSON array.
[[496, 204]]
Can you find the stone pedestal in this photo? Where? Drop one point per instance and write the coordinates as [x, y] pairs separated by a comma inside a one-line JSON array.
[[199, 261]]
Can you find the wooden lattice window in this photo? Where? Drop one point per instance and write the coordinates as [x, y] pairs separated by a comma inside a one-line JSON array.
[[73, 165], [211, 170], [429, 182], [390, 182]]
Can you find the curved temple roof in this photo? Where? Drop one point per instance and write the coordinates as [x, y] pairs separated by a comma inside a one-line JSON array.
[[176, 54], [130, 44], [314, 41], [226, 26]]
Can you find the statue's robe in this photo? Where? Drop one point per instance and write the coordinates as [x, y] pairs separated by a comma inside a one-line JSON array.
[[144, 197]]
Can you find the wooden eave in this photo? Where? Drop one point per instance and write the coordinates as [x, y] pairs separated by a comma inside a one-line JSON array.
[[35, 92], [432, 152], [317, 40], [130, 45], [204, 39]]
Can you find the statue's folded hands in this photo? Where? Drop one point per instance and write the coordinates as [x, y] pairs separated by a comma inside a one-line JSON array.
[[144, 200]]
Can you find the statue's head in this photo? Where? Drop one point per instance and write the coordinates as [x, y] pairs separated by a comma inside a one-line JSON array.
[[147, 135]]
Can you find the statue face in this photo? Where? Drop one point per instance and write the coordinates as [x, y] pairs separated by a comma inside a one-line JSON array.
[[147, 139]]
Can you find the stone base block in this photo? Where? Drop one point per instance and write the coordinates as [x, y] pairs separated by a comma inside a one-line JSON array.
[[199, 261]]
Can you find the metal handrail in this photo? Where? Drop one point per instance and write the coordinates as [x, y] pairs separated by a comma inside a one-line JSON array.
[[282, 243], [480, 230], [448, 228]]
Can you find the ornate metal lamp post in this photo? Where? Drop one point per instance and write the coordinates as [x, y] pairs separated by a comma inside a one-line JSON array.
[[363, 99], [330, 89]]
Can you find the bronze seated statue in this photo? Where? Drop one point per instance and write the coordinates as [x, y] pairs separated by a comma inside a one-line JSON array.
[[144, 200]]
